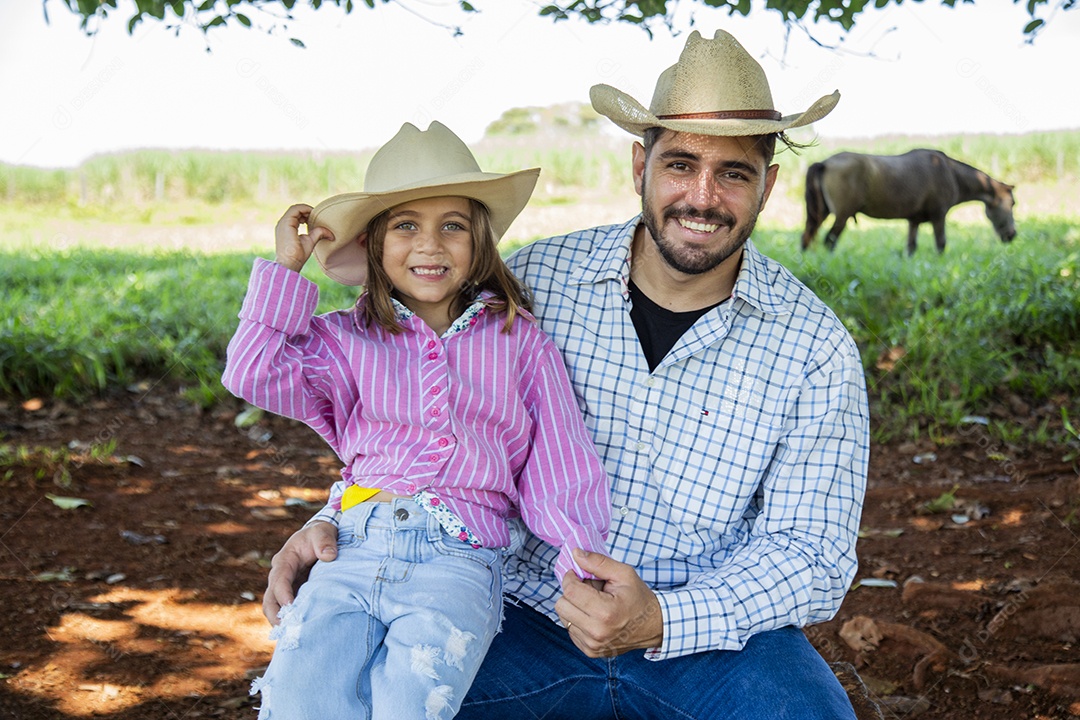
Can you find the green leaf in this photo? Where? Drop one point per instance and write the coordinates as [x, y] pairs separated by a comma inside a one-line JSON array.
[[62, 575], [243, 19], [945, 501], [1033, 26], [297, 42], [467, 7], [248, 417], [68, 503]]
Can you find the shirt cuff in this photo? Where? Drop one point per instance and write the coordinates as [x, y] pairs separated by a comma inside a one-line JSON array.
[[330, 512], [325, 515], [279, 298], [691, 625]]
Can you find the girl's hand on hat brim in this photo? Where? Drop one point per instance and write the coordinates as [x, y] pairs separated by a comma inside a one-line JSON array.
[[292, 248]]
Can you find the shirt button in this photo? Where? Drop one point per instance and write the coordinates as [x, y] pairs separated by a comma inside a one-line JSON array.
[[639, 446], [430, 344], [650, 382], [443, 442], [433, 457], [433, 356], [410, 488], [435, 412], [436, 390], [624, 511]]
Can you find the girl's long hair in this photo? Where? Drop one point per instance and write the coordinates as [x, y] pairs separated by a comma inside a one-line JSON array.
[[487, 272]]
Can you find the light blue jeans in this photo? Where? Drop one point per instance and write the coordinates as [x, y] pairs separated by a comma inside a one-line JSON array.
[[533, 670], [395, 627]]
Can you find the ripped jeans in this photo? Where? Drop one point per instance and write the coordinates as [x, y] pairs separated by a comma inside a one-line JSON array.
[[395, 627]]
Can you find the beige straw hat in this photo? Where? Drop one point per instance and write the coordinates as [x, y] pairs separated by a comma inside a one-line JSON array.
[[716, 88], [413, 165]]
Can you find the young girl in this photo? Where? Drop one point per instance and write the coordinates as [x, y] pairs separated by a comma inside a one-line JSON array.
[[451, 411]]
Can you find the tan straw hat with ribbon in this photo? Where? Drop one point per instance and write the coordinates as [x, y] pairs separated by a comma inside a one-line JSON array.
[[716, 88], [413, 165]]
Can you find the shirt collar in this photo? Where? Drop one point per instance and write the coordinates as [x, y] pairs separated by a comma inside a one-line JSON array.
[[610, 260], [756, 283], [610, 257], [405, 315]]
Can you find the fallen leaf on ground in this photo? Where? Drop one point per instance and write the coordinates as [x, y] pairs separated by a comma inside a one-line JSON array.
[[68, 503], [861, 634]]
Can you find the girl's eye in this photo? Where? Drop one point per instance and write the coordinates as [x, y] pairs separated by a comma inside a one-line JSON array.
[[454, 227], [405, 226]]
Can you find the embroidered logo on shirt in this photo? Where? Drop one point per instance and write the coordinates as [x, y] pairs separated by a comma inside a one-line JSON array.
[[741, 394]]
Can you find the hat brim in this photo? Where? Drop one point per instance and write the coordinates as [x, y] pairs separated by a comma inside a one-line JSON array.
[[630, 115], [347, 215]]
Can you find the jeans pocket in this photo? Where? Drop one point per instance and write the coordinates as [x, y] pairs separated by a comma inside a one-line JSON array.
[[452, 547]]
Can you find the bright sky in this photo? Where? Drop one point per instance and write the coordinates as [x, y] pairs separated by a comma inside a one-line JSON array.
[[913, 69]]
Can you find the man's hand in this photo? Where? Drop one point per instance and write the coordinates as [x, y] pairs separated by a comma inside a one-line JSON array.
[[624, 615], [289, 568]]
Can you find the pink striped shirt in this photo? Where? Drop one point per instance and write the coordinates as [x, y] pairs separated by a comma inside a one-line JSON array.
[[486, 420]]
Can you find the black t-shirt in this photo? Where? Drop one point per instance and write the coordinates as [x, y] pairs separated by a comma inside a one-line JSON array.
[[658, 329]]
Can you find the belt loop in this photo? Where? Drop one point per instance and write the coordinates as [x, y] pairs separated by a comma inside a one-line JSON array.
[[434, 527], [358, 516]]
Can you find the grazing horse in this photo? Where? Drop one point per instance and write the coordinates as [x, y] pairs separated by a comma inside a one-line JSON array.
[[919, 186]]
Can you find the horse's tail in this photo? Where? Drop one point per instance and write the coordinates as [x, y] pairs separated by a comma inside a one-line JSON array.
[[816, 207]]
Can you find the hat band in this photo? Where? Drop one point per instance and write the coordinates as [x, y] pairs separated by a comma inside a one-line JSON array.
[[726, 115]]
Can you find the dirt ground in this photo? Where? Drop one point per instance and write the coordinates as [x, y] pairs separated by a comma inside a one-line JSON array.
[[145, 603]]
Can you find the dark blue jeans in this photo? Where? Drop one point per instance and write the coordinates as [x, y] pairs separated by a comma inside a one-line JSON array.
[[533, 670]]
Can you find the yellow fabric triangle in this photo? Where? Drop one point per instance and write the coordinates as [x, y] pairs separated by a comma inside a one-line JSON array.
[[354, 495]]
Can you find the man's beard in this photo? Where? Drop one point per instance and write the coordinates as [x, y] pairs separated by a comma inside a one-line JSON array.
[[694, 261]]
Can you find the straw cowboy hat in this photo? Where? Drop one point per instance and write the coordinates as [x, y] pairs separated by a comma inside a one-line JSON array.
[[413, 165], [716, 88]]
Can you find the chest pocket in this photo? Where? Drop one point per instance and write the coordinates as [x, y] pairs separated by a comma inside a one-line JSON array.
[[716, 451]]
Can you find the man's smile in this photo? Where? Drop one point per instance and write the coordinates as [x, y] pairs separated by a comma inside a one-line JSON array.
[[697, 226]]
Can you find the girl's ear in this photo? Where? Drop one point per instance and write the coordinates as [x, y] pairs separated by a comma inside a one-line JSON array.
[[361, 239]]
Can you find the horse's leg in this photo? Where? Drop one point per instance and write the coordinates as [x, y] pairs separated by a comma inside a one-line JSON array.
[[835, 230], [812, 225], [816, 207], [912, 235], [939, 234]]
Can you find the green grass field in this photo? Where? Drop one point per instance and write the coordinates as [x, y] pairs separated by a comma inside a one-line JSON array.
[[942, 336]]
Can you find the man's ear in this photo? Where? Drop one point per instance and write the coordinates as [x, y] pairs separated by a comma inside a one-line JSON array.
[[638, 167], [770, 181]]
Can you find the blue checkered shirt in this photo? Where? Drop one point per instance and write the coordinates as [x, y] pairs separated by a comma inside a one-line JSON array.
[[738, 466]]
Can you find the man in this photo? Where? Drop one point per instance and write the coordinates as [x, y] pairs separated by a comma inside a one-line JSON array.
[[729, 405]]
